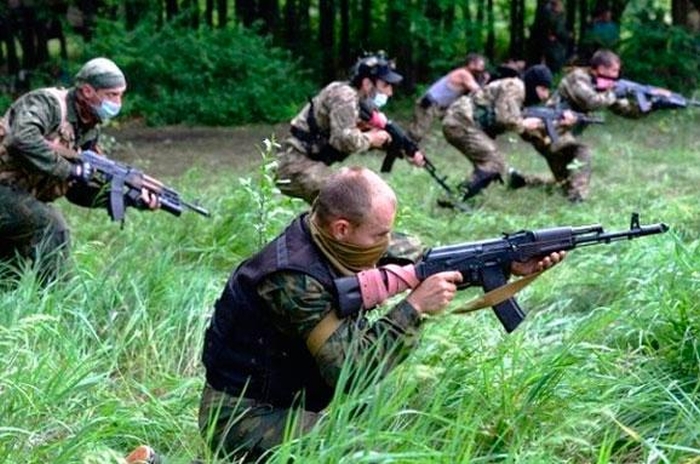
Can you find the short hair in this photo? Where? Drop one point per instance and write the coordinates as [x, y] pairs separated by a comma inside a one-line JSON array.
[[604, 57], [473, 58], [348, 194]]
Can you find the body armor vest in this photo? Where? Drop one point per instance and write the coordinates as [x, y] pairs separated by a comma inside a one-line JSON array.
[[243, 352]]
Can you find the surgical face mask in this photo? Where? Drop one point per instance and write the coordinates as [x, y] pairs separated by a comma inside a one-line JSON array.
[[380, 99], [106, 110]]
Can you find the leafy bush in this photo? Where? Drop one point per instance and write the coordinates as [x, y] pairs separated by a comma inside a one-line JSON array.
[[214, 77], [673, 63]]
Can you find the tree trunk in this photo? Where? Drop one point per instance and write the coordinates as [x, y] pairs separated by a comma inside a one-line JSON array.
[[517, 28], [490, 47], [171, 9], [245, 11], [365, 21], [209, 13], [269, 12], [326, 38], [222, 13], [345, 47]]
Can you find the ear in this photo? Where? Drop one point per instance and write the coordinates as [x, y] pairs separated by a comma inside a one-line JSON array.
[[340, 228], [367, 85]]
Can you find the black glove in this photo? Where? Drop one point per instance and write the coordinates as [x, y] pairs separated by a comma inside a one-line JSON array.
[[81, 171]]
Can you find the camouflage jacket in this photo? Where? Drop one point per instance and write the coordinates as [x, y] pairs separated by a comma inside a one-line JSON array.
[[337, 115], [39, 133], [495, 108], [577, 91], [299, 303]]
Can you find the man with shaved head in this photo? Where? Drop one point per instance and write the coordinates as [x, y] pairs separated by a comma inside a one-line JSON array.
[[275, 346]]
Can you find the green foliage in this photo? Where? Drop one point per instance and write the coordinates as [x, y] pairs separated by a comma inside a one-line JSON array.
[[604, 369], [214, 77], [660, 54]]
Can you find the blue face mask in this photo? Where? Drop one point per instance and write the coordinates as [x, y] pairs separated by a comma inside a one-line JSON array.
[[380, 99], [107, 110]]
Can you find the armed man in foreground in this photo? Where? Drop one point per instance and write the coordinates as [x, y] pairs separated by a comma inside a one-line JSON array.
[[275, 345]]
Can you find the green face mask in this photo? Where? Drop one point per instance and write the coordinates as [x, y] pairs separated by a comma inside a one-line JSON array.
[[347, 257]]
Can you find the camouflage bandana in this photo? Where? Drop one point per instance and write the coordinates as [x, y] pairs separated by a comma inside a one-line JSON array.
[[347, 258], [101, 73]]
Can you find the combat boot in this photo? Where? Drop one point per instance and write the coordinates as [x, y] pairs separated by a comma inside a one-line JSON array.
[[479, 181]]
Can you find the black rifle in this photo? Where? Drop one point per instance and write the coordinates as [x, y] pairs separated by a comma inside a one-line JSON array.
[[487, 263], [127, 182], [402, 145], [552, 115], [651, 98]]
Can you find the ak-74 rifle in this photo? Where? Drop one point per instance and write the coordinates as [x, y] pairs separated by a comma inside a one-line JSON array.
[[401, 146], [651, 98], [550, 116], [125, 183], [484, 263]]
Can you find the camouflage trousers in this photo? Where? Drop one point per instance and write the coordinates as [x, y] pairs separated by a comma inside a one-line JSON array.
[[424, 113], [298, 175], [245, 429], [32, 230], [480, 149], [570, 163]]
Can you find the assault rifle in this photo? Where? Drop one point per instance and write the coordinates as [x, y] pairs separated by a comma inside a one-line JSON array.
[[487, 263], [651, 98], [551, 115], [401, 145], [126, 182]]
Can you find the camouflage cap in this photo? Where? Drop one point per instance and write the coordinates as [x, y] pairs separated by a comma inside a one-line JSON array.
[[101, 73]]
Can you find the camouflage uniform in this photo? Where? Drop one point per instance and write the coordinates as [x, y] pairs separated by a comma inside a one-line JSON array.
[[40, 133], [569, 159], [291, 304], [473, 122], [304, 160], [306, 155]]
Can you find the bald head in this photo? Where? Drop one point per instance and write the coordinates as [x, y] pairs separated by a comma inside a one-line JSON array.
[[353, 193]]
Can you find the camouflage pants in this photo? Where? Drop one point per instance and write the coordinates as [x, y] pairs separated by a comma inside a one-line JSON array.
[[570, 163], [32, 230], [479, 148], [298, 175], [241, 428], [423, 116]]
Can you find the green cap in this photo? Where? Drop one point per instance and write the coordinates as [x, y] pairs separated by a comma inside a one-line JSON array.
[[101, 73]]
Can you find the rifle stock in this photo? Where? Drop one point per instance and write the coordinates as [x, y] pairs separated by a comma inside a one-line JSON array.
[[487, 263]]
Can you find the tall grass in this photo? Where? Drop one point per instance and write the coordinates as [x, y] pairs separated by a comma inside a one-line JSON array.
[[605, 369]]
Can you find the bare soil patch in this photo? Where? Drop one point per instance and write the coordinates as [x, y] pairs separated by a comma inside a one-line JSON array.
[[172, 150]]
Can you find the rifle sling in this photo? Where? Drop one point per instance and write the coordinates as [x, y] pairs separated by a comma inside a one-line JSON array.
[[497, 295], [322, 332], [330, 323]]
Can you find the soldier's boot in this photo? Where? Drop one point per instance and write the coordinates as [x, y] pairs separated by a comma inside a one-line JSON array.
[[479, 181], [143, 454], [516, 180]]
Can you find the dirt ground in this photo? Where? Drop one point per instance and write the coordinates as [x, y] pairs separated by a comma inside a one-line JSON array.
[[170, 151]]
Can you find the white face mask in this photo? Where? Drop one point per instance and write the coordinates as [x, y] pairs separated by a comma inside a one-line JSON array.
[[107, 110], [380, 99]]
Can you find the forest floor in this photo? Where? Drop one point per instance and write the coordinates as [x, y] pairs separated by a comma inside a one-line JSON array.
[[170, 151]]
